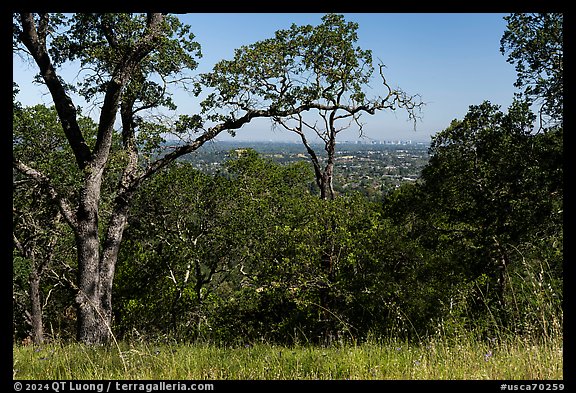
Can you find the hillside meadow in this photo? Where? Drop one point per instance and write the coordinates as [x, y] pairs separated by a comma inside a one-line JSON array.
[[466, 359]]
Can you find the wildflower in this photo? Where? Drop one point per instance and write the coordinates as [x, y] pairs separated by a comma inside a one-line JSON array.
[[487, 356]]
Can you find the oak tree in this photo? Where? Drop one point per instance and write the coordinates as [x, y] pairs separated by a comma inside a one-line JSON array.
[[129, 63], [319, 68]]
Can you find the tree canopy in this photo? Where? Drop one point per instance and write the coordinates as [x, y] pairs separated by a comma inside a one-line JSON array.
[[534, 43], [104, 209]]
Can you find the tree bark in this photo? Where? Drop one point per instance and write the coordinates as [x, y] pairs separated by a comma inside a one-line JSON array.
[[36, 322], [92, 324], [326, 180]]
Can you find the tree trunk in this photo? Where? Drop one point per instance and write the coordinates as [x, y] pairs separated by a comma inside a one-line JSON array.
[[326, 184], [29, 250], [109, 257], [94, 299], [93, 326], [36, 309], [92, 322]]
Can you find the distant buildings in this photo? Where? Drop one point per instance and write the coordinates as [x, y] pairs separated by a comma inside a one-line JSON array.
[[381, 142]]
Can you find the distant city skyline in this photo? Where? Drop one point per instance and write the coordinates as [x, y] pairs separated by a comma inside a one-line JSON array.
[[295, 142], [452, 60]]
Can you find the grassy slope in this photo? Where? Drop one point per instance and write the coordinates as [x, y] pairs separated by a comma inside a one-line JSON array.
[[394, 360]]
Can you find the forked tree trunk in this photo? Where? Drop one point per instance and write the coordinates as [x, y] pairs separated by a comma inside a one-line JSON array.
[[95, 278], [97, 262]]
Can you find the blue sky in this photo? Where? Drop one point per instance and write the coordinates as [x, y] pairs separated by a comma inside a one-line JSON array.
[[451, 59]]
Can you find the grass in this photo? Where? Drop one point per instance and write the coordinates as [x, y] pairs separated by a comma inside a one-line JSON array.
[[517, 359]]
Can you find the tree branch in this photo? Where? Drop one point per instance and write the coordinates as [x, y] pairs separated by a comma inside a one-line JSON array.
[[120, 77], [44, 182], [36, 45], [231, 124]]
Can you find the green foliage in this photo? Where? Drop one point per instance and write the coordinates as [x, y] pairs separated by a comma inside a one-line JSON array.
[[101, 41], [297, 67], [534, 43], [43, 246], [488, 200], [38, 138], [477, 168], [473, 248], [427, 257]]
